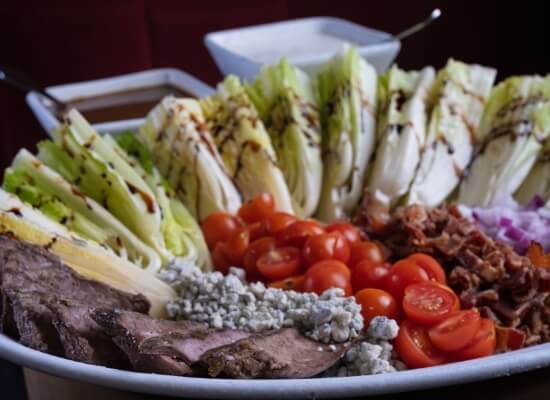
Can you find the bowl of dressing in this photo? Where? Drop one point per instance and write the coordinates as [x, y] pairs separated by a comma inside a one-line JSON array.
[[118, 103], [307, 43]]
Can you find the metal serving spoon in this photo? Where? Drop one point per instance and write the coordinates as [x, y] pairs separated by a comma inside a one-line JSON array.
[[435, 14], [18, 81]]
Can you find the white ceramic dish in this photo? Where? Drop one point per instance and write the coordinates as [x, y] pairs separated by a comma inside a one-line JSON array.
[[457, 373], [139, 80], [235, 51]]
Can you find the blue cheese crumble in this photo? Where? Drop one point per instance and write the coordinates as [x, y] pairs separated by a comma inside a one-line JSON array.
[[373, 354], [228, 302]]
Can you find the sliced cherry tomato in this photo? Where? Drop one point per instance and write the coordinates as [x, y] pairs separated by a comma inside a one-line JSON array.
[[402, 274], [455, 331], [293, 283], [255, 250], [298, 232], [327, 246], [328, 274], [368, 275], [415, 348], [376, 302], [277, 222], [257, 209], [236, 246], [429, 302], [220, 260], [219, 227], [483, 344], [429, 264], [350, 232], [365, 251], [280, 263]]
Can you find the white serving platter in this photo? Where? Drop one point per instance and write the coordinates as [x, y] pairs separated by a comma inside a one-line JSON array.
[[315, 388], [139, 80], [234, 53]]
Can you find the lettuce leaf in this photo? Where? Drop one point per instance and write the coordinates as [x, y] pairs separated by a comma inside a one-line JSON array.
[[283, 96], [244, 144], [459, 95], [346, 89]]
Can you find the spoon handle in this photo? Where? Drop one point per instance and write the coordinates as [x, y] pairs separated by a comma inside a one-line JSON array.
[[435, 14], [13, 79]]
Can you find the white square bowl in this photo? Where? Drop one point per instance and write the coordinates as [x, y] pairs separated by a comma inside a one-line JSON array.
[[41, 107], [233, 50]]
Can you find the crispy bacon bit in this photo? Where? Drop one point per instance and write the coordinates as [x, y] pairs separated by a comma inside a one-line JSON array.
[[507, 287]]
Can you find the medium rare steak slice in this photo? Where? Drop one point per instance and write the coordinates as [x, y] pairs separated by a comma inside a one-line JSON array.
[[129, 329], [145, 339], [33, 321], [28, 268], [32, 280], [277, 354], [83, 339], [191, 345]]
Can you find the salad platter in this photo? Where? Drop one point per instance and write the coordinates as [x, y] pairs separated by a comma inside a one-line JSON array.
[[341, 233]]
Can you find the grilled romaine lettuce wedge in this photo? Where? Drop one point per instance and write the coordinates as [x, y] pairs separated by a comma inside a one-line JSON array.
[[459, 96], [537, 182], [185, 153], [244, 144], [43, 188], [181, 232], [514, 128], [346, 89], [85, 257], [285, 101], [401, 133]]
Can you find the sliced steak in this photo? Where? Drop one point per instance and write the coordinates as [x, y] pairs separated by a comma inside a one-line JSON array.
[[32, 280], [33, 321], [191, 345], [28, 268], [83, 339], [147, 340], [283, 353], [129, 329]]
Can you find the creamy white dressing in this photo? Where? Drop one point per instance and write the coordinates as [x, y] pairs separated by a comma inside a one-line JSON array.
[[288, 43]]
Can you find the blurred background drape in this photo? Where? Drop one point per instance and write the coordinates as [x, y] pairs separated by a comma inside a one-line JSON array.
[[65, 41]]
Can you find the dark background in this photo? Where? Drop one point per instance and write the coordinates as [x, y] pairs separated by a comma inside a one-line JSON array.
[[58, 42]]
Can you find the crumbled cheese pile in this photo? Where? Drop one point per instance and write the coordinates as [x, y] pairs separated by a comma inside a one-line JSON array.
[[228, 302], [372, 355]]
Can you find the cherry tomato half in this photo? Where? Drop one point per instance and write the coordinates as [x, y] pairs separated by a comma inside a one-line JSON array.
[[257, 209], [415, 348], [376, 302], [219, 227], [482, 345], [293, 283], [429, 264], [328, 274], [255, 250], [350, 232], [455, 331], [368, 275], [365, 251], [279, 263], [236, 245], [402, 274], [327, 246], [298, 232], [221, 263], [429, 302]]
